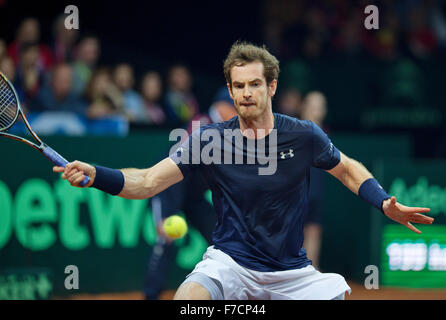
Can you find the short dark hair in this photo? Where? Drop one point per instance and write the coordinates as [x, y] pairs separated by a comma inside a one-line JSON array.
[[242, 53]]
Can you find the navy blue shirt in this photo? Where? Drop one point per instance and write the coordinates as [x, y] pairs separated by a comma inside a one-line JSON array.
[[260, 218]]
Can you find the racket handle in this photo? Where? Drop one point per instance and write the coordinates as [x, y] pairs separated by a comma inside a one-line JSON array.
[[60, 161]]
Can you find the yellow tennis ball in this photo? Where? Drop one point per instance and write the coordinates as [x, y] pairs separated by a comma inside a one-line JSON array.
[[175, 227]]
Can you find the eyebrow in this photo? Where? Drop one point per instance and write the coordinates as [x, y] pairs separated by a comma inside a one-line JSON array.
[[254, 80]]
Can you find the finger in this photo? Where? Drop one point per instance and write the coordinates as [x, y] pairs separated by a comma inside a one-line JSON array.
[[75, 175], [70, 173], [416, 210], [411, 227], [407, 209], [70, 166], [393, 201], [420, 218], [58, 169], [72, 179], [78, 180], [68, 170]]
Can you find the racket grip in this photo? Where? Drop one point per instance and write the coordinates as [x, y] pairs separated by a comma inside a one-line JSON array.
[[60, 161]]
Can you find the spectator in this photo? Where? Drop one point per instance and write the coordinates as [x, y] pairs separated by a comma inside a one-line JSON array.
[[7, 68], [223, 107], [57, 95], [87, 55], [103, 96], [290, 102], [133, 104], [29, 32], [63, 41], [29, 75], [314, 109], [151, 89], [180, 102]]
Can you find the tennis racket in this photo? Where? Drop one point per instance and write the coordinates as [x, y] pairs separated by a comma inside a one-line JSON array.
[[9, 114]]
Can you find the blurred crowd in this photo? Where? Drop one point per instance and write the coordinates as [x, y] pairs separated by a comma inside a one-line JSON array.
[[64, 75], [314, 28]]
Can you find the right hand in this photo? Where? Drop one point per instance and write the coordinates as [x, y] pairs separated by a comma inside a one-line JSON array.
[[75, 173]]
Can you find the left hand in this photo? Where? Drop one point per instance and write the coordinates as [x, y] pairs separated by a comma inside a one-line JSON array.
[[405, 215]]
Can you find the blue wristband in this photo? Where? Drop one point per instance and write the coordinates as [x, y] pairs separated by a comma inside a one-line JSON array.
[[108, 180], [372, 192]]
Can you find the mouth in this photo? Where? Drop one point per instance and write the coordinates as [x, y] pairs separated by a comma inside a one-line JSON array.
[[247, 104]]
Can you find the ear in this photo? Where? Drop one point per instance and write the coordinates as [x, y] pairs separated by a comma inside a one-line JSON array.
[[272, 87], [230, 90]]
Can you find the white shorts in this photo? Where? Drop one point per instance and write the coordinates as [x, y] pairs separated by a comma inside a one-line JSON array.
[[240, 283]]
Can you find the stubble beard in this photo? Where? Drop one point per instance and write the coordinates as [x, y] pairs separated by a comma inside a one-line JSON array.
[[250, 113]]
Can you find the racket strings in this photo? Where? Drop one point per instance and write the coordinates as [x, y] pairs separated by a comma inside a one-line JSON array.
[[8, 105]]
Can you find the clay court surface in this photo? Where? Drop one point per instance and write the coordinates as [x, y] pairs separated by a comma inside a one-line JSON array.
[[358, 293]]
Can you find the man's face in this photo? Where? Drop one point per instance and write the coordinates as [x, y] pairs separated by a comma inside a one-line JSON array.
[[314, 108], [151, 87], [8, 68], [89, 51], [250, 92], [180, 79], [30, 57], [124, 77], [61, 81], [29, 31]]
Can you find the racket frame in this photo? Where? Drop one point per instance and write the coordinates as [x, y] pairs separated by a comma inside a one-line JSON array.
[[47, 151], [17, 100], [41, 146]]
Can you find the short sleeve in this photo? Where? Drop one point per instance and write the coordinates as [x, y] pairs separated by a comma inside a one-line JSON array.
[[325, 155], [187, 155]]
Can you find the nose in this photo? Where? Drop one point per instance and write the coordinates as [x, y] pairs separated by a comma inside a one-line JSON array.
[[246, 93]]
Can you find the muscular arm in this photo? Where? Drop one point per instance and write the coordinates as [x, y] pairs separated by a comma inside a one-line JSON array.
[[138, 183], [351, 173], [146, 183]]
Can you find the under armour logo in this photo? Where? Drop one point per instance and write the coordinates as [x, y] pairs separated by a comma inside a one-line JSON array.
[[287, 155]]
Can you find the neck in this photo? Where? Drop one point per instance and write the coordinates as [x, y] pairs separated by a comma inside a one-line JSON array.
[[259, 127]]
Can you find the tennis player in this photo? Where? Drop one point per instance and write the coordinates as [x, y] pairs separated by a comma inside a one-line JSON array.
[[257, 251]]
